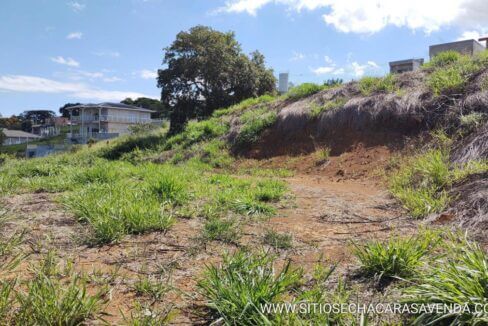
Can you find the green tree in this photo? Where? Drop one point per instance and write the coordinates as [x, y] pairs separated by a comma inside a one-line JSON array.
[[2, 137], [162, 112], [64, 112], [205, 70]]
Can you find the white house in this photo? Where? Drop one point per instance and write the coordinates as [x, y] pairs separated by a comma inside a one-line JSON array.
[[14, 137], [105, 120]]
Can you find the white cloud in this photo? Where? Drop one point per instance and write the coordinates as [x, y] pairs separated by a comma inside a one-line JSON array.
[[359, 70], [33, 84], [370, 16], [354, 69], [112, 79], [328, 59], [74, 36], [65, 61], [113, 54], [147, 74], [323, 70], [297, 56], [76, 6]]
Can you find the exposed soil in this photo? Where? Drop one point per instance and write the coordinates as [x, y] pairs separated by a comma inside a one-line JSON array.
[[330, 209]]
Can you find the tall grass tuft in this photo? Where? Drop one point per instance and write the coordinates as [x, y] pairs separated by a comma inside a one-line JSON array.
[[303, 90], [236, 290], [397, 257], [458, 277]]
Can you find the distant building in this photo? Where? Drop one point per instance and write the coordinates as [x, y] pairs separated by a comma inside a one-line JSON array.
[[283, 83], [50, 127], [105, 120], [398, 67], [466, 47], [14, 137]]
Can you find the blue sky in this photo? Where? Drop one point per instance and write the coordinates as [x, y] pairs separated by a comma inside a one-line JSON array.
[[56, 51]]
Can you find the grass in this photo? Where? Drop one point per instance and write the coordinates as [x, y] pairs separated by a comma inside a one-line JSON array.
[[156, 289], [396, 258], [148, 315], [303, 90], [225, 230], [246, 104], [472, 121], [422, 182], [443, 59], [254, 122], [316, 109], [278, 240], [370, 85], [458, 277], [236, 290], [322, 155]]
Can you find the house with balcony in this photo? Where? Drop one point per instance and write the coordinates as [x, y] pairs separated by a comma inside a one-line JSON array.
[[105, 120]]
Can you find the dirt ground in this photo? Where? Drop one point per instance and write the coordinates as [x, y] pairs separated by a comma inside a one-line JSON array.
[[332, 203]]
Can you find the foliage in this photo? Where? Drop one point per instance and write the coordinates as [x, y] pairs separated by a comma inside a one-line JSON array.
[[161, 111], [225, 230], [197, 65], [254, 122], [153, 288], [472, 121], [395, 258], [333, 82], [370, 85], [458, 277], [443, 59], [316, 109], [303, 90], [141, 128], [2, 137], [236, 290], [278, 240], [65, 112], [246, 104]]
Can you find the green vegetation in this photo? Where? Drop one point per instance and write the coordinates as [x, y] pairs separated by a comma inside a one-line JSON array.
[[236, 290], [472, 121], [225, 230], [254, 122], [316, 109], [395, 258], [278, 240], [370, 85], [244, 105], [150, 287], [303, 90], [458, 277], [422, 182], [452, 71]]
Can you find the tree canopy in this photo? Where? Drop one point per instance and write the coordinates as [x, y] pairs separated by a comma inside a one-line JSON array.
[[64, 112], [151, 104], [37, 116], [205, 70]]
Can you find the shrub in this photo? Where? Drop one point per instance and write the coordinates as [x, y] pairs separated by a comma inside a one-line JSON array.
[[395, 258], [303, 90], [277, 240], [221, 230], [370, 85], [459, 277], [254, 122], [237, 289]]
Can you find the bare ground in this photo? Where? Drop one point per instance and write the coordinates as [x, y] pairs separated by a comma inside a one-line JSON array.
[[334, 203]]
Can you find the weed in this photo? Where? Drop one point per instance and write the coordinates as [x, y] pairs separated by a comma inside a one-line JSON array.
[[322, 155], [168, 189], [154, 288], [249, 206], [303, 90], [237, 289], [254, 122], [278, 240], [459, 277], [316, 109], [443, 59], [146, 315], [472, 121], [370, 85], [224, 230], [255, 101], [395, 258]]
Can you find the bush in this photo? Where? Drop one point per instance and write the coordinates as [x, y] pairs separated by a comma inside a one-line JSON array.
[[370, 85], [303, 90], [395, 258], [459, 277], [237, 289]]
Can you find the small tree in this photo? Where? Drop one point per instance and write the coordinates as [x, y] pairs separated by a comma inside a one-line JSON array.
[[206, 70], [2, 137]]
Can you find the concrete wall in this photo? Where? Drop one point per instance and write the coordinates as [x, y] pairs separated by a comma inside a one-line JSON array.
[[467, 47], [397, 67]]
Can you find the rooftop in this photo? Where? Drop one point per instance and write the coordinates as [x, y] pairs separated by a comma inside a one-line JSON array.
[[108, 105], [18, 134]]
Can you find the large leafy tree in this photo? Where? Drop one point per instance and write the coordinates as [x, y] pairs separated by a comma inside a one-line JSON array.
[[151, 104], [205, 70], [64, 109]]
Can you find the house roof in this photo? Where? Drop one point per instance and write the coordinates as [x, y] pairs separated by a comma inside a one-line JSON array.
[[109, 105], [18, 134]]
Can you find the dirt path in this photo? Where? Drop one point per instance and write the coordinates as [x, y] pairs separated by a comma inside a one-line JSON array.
[[328, 215]]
